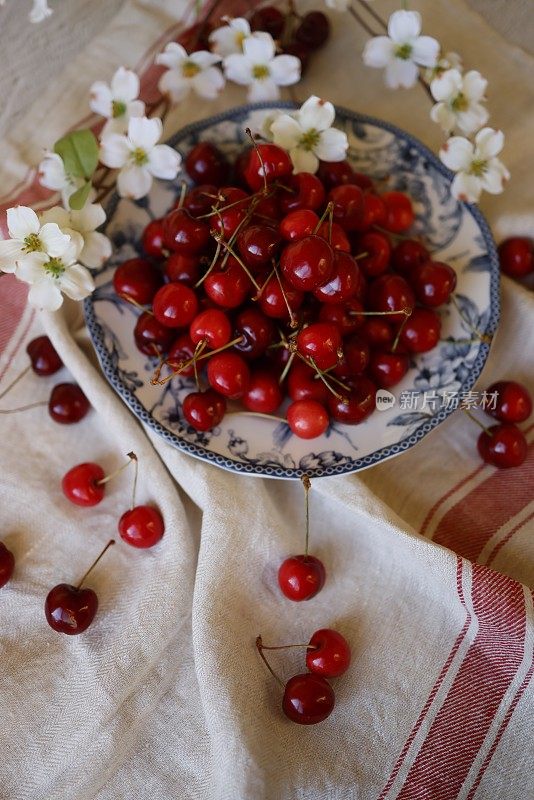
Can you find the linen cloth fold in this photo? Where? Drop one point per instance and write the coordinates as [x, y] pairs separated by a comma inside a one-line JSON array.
[[429, 556]]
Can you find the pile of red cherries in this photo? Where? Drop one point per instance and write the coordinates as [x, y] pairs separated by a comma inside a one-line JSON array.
[[267, 284]]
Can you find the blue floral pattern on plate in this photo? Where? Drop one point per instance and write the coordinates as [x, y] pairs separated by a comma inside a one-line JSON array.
[[455, 232]]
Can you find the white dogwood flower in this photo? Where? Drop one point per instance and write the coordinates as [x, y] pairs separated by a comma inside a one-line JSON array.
[[476, 164], [118, 101], [459, 101], [259, 68], [402, 51], [52, 276], [188, 72], [450, 60], [229, 38], [139, 157], [96, 247], [30, 240], [308, 135], [52, 175]]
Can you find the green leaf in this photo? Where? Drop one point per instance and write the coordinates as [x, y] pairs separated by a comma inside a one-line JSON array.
[[79, 198], [79, 151]]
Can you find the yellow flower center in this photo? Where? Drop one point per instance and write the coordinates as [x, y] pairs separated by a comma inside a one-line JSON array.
[[260, 72], [118, 108], [139, 157], [478, 167], [460, 103], [55, 267], [240, 38], [310, 139], [190, 69], [32, 244], [404, 51]]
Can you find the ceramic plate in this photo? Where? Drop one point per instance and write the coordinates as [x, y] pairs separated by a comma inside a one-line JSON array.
[[456, 233]]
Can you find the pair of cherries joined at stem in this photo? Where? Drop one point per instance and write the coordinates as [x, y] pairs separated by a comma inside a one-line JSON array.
[[504, 445]]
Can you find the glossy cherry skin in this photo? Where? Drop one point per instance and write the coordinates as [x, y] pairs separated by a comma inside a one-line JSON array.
[[399, 212], [307, 263], [141, 526], [272, 301], [377, 332], [300, 51], [374, 211], [388, 369], [263, 394], [258, 245], [303, 383], [422, 331], [344, 282], [346, 315], [503, 446], [182, 269], [137, 279], [81, 484], [269, 19], [7, 564], [335, 173], [515, 257], [357, 405], [514, 403], [67, 404], [378, 247], [70, 610], [408, 254], [335, 236], [232, 208], [228, 374], [206, 164], [211, 326], [266, 163], [44, 359], [152, 239], [228, 286], [433, 283], [185, 234], [314, 29], [308, 699], [175, 305], [355, 357], [320, 342], [256, 330], [305, 191], [182, 350], [200, 199], [331, 655], [204, 410], [307, 419], [298, 224], [301, 577], [391, 293], [348, 206], [150, 336]]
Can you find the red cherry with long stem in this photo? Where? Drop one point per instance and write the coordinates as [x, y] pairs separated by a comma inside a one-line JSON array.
[[334, 235], [182, 268], [356, 405], [303, 384], [345, 281], [513, 402], [229, 374], [152, 240], [175, 305], [305, 191], [377, 248], [212, 327], [67, 404], [182, 350], [258, 245], [328, 653], [388, 369], [263, 394], [185, 234], [150, 336], [204, 410], [266, 163], [348, 206], [141, 526], [433, 283], [7, 564], [347, 316], [408, 254], [257, 332], [503, 446], [298, 224], [71, 609], [206, 164], [391, 293], [200, 199], [307, 263], [421, 330], [85, 484], [320, 342], [138, 280]]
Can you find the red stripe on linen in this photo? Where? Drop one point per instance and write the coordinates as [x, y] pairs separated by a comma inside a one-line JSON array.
[[13, 294], [507, 538], [445, 497], [489, 667]]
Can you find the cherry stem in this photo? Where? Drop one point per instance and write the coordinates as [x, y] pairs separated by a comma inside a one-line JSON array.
[[23, 408], [360, 255], [259, 647], [262, 287], [136, 473], [406, 311], [183, 191], [16, 380], [287, 646], [95, 562], [211, 266], [133, 302], [287, 367], [193, 360], [307, 486], [407, 314], [328, 212], [228, 247], [198, 351], [320, 374], [131, 457], [255, 414], [477, 421], [292, 319], [257, 149]]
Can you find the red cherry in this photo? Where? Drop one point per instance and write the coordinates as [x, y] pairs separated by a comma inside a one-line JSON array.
[[374, 210], [183, 269], [330, 656], [344, 282], [272, 301], [204, 410], [228, 374], [514, 403], [335, 173], [303, 383], [503, 446], [422, 331], [267, 209], [298, 224], [314, 29], [378, 247], [264, 394], [300, 51], [387, 369], [307, 263], [258, 245], [347, 206], [399, 216], [355, 357], [138, 280], [433, 283], [151, 337], [44, 359], [515, 256], [67, 404], [266, 163], [70, 610], [184, 234], [301, 577], [308, 699], [391, 293], [182, 349], [206, 164], [200, 199], [356, 405], [320, 342], [175, 305], [305, 191], [307, 419], [335, 236], [232, 208], [257, 332], [7, 564], [152, 239], [141, 526], [408, 254], [81, 484], [346, 316], [268, 19], [211, 326], [377, 332], [228, 286]]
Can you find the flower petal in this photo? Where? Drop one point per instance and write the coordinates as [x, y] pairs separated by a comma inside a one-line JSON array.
[[100, 99], [474, 85], [457, 153], [263, 90], [91, 216], [30, 267], [447, 86], [285, 70], [10, 251], [333, 145], [466, 187], [125, 85], [55, 242], [238, 68], [45, 294], [403, 26], [205, 59], [57, 214], [76, 282], [175, 85], [164, 162], [145, 133], [401, 73], [304, 160], [316, 113], [378, 52], [471, 120], [425, 51], [286, 131], [114, 150], [488, 143], [96, 250], [135, 108], [134, 182], [173, 56], [21, 222], [442, 114], [260, 49], [495, 177], [229, 38], [52, 172], [208, 83]]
